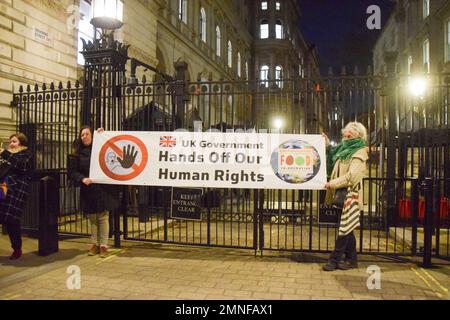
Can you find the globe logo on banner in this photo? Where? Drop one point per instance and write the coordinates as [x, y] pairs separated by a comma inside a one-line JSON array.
[[295, 161], [123, 157]]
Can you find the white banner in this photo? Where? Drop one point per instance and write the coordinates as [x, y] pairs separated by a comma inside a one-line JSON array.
[[207, 159]]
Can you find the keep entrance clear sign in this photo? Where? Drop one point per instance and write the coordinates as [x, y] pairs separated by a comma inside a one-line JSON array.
[[186, 203]]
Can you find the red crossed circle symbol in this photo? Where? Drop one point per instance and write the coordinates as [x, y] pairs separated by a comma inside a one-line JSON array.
[[137, 169]]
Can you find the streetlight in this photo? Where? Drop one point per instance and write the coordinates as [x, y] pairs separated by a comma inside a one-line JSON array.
[[417, 86], [278, 123], [107, 14]]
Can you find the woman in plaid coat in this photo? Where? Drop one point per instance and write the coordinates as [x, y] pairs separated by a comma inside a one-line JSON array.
[[18, 178]]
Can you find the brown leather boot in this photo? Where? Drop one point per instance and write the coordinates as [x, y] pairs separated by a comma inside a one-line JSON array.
[[93, 250]]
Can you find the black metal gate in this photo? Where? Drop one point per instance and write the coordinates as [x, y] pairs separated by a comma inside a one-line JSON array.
[[409, 140]]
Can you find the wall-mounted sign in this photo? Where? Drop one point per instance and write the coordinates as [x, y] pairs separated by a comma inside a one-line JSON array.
[[329, 215], [42, 36], [186, 204]]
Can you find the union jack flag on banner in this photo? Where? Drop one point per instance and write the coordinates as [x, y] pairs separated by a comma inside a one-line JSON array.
[[167, 141]]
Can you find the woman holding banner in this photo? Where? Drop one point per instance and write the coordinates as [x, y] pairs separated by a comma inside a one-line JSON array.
[[347, 164], [96, 200]]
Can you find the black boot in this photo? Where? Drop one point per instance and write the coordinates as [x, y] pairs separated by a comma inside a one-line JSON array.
[[330, 266], [346, 265]]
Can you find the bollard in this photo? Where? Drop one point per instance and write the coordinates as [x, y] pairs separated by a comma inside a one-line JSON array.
[[48, 216], [428, 223]]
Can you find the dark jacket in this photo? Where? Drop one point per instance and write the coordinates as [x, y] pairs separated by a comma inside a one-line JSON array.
[[95, 198], [19, 178]]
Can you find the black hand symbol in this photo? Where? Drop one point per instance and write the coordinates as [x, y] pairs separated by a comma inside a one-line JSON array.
[[128, 157]]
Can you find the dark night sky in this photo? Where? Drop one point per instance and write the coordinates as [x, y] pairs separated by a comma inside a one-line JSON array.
[[338, 29]]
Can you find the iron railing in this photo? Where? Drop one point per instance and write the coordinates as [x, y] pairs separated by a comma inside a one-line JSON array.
[[416, 137]]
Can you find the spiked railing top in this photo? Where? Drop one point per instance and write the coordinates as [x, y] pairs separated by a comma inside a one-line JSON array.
[[105, 43]]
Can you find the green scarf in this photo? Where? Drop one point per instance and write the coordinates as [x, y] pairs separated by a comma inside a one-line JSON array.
[[343, 151]]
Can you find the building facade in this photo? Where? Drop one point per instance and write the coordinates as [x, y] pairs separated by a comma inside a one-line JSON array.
[[419, 31], [40, 42]]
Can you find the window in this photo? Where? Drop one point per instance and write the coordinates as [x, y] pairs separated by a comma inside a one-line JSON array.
[[264, 29], [279, 76], [246, 70], [426, 54], [230, 55], [182, 10], [264, 76], [85, 28], [264, 5], [239, 64], [426, 8], [279, 30], [218, 41], [448, 40], [278, 6], [410, 62], [203, 24]]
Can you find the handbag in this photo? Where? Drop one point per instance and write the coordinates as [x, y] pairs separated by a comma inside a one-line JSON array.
[[339, 198], [5, 166]]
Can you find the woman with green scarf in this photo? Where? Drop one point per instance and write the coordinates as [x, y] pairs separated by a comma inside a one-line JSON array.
[[347, 164]]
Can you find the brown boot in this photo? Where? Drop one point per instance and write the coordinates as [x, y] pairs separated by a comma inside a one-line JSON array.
[[93, 250], [103, 252]]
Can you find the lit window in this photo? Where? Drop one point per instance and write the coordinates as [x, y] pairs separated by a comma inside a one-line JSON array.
[[264, 76], [85, 28], [230, 55], [426, 8], [203, 24], [410, 62], [278, 6], [264, 29], [218, 41], [239, 64], [448, 40], [426, 54], [182, 10], [279, 76], [264, 5], [279, 30]]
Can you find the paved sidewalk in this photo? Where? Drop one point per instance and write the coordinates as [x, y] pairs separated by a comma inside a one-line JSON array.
[[152, 271]]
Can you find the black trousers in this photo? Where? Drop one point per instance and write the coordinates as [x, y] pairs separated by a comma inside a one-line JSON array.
[[345, 245], [15, 235]]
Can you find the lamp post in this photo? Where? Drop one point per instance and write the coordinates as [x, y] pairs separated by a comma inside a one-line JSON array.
[[107, 15], [104, 68], [104, 79], [418, 87]]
